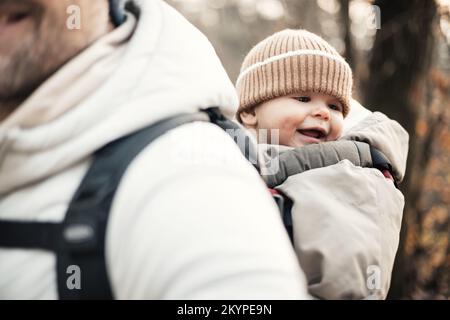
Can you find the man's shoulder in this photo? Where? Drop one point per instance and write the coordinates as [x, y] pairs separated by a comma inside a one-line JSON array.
[[199, 147], [197, 143]]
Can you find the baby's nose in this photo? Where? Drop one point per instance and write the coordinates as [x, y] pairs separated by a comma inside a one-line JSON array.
[[321, 111]]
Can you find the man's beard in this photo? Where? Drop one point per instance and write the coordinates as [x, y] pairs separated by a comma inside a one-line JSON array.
[[44, 46], [40, 53], [24, 69], [21, 73]]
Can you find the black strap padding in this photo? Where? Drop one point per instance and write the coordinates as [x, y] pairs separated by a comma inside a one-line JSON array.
[[30, 235]]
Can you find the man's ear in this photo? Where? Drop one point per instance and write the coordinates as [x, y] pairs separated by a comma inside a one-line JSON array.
[[249, 118]]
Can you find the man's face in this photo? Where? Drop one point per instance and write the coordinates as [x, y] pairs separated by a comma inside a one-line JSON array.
[[301, 119], [35, 40]]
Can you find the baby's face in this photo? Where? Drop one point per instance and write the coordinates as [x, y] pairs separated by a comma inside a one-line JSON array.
[[301, 118]]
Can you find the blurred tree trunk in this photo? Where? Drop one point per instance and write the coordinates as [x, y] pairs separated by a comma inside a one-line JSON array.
[[397, 86], [346, 24]]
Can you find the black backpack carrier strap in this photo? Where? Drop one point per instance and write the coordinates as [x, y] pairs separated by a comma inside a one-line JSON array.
[[90, 207], [80, 239], [29, 235], [84, 228]]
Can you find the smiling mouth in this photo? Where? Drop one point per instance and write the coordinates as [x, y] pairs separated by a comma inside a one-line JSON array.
[[313, 133]]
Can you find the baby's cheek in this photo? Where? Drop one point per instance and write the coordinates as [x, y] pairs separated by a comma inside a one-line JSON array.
[[334, 134], [289, 129], [284, 135], [337, 128]]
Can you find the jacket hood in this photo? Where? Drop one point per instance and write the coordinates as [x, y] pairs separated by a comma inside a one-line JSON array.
[[166, 67]]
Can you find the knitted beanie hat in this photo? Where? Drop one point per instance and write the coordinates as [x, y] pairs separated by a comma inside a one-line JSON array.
[[289, 62]]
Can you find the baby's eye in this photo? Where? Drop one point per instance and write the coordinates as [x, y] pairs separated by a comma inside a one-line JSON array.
[[335, 107], [303, 99]]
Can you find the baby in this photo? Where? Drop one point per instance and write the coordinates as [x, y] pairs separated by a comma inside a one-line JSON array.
[[296, 83], [296, 87]]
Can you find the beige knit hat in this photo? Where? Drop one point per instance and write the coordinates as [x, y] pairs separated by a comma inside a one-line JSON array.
[[293, 61]]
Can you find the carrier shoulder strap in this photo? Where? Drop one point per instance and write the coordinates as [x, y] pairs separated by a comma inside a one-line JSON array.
[[79, 241], [84, 228]]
